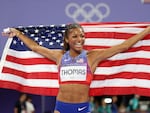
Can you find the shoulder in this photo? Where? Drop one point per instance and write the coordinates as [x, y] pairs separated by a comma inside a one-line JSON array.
[[60, 56]]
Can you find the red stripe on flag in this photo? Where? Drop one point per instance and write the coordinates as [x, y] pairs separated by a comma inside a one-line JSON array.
[[123, 75], [29, 61], [109, 63], [120, 91], [33, 90], [33, 75]]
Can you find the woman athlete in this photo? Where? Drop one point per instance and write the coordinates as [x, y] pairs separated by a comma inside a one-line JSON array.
[[76, 66]]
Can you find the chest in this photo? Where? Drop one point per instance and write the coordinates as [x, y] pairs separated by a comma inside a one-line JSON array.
[[73, 68]]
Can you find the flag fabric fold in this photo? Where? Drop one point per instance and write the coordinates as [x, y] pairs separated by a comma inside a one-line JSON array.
[[125, 73]]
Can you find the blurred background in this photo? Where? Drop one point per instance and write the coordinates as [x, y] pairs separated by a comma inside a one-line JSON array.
[[45, 12]]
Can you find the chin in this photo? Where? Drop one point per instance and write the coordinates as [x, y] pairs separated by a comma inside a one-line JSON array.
[[79, 50]]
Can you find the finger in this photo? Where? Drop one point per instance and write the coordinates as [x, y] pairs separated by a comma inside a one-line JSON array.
[[5, 34]]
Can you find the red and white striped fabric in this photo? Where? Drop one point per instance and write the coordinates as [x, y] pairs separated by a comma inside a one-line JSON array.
[[122, 74]]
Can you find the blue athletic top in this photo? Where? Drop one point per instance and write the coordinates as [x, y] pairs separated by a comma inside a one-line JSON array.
[[75, 70]]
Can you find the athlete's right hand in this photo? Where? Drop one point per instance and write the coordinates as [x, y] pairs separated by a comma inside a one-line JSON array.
[[11, 32]]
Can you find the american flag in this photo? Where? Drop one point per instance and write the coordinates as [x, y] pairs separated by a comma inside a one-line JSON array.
[[125, 73]]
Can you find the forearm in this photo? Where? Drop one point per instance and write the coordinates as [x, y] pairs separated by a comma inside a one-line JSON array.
[[28, 41], [101, 55], [11, 32], [134, 39]]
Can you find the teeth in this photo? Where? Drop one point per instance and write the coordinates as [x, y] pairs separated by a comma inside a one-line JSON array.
[[78, 43]]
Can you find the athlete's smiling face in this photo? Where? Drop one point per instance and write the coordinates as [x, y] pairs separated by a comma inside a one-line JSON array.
[[76, 39]]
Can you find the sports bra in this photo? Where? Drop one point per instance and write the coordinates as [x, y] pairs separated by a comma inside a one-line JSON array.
[[75, 70]]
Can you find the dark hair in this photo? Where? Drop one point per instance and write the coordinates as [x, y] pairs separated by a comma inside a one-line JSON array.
[[21, 94], [67, 31]]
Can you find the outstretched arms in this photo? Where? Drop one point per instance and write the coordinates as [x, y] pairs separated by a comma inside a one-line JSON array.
[[101, 55], [51, 54]]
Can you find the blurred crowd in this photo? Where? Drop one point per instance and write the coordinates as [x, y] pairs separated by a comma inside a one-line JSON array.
[[113, 104], [24, 104]]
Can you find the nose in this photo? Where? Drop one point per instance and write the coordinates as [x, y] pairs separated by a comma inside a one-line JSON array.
[[79, 38]]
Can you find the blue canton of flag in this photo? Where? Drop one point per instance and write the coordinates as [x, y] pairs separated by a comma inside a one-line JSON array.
[[48, 36]]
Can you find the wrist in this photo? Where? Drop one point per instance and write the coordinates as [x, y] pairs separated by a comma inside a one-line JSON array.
[[18, 34]]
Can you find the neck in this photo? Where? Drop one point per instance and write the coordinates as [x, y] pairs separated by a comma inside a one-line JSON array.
[[74, 53]]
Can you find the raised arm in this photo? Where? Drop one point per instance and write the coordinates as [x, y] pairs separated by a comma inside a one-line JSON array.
[[101, 55], [54, 55]]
